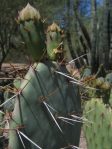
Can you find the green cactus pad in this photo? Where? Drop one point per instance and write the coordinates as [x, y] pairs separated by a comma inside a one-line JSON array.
[[45, 97], [98, 128]]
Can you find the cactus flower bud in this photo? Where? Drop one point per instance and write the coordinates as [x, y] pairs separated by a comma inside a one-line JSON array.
[[28, 13], [32, 32], [55, 48], [54, 27]]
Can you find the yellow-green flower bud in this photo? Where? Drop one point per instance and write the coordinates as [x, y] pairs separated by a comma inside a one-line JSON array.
[[28, 13], [54, 27], [32, 32]]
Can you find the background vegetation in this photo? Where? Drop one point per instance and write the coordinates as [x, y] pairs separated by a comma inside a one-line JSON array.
[[87, 25]]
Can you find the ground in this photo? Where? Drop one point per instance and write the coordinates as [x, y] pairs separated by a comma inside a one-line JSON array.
[[83, 144]]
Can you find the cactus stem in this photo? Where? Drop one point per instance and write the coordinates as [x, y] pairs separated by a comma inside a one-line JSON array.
[[52, 116]]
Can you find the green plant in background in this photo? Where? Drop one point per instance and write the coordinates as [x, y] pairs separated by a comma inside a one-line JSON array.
[[47, 108], [98, 128], [101, 85]]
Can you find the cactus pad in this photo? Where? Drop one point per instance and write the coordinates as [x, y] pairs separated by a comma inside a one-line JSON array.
[[45, 101], [98, 128]]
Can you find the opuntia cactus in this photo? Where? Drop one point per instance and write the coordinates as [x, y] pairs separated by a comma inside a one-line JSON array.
[[46, 101], [44, 109], [98, 127]]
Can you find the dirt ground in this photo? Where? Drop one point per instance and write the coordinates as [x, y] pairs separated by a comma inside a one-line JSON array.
[[83, 144]]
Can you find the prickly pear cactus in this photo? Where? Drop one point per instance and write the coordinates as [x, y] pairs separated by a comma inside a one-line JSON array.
[[44, 110], [47, 103], [32, 31], [54, 42], [98, 125]]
